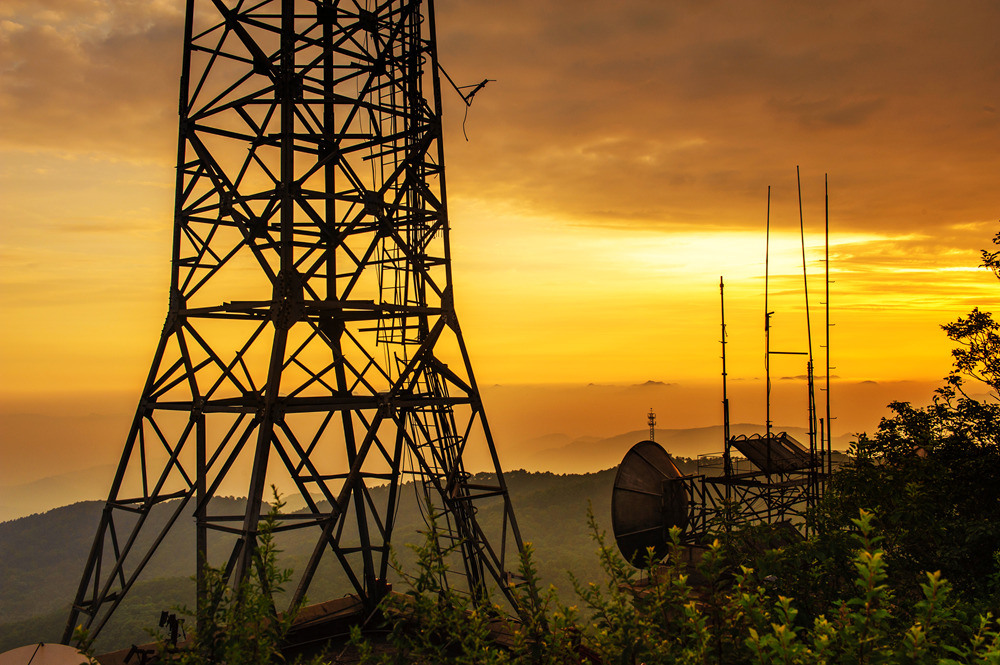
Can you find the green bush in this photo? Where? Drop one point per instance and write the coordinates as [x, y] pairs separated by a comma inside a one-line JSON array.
[[634, 617], [239, 626]]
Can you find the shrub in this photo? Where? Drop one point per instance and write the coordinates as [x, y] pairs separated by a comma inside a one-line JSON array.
[[633, 617], [239, 626]]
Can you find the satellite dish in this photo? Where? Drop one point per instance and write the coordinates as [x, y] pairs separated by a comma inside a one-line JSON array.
[[44, 653], [649, 497]]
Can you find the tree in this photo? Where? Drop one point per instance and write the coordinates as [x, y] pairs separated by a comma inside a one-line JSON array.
[[931, 474], [979, 335]]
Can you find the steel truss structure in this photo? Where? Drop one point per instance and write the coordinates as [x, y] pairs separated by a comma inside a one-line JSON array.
[[776, 482], [311, 339]]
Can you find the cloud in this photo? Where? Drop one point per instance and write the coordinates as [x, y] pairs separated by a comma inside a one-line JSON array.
[[624, 115], [618, 115], [827, 113], [91, 76]]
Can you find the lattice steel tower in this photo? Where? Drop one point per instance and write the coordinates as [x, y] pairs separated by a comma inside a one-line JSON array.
[[311, 337]]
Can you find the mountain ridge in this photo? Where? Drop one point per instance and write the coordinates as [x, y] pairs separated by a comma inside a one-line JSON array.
[[583, 453], [555, 452]]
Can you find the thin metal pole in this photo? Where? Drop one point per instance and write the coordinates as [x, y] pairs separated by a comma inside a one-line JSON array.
[[767, 342], [812, 487], [201, 522], [829, 418], [811, 385], [822, 438], [767, 318], [726, 455], [805, 289]]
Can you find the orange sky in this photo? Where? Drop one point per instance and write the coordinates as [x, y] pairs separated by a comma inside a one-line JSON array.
[[615, 169]]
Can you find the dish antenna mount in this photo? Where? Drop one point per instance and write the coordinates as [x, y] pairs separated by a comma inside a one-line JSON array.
[[649, 498]]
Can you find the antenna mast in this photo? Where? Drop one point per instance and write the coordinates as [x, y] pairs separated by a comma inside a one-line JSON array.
[[727, 453], [767, 318], [810, 381], [829, 418]]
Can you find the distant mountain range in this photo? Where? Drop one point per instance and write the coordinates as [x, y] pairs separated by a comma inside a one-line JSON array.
[[558, 453], [561, 454], [61, 490]]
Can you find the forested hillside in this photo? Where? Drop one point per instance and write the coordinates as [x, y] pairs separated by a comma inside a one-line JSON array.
[[41, 556]]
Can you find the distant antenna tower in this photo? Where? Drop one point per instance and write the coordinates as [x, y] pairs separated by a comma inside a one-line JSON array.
[[311, 339], [652, 424]]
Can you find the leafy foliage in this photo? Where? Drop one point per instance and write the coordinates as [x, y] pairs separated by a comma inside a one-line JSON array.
[[978, 333], [433, 623], [979, 355], [932, 474], [240, 626], [664, 618]]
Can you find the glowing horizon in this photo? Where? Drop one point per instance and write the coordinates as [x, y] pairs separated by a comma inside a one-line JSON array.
[[615, 169]]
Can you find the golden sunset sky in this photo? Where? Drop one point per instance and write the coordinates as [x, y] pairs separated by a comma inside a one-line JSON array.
[[618, 166]]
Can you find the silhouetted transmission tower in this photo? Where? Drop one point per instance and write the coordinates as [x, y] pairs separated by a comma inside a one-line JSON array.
[[311, 339]]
